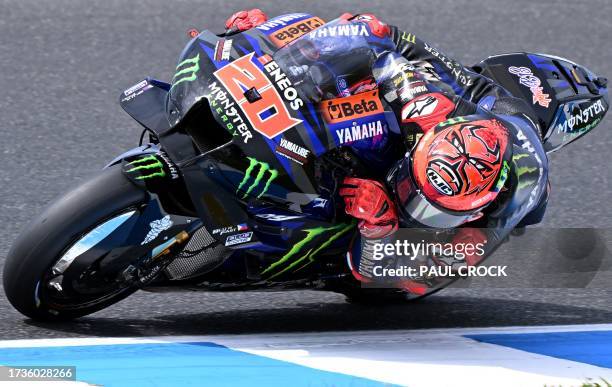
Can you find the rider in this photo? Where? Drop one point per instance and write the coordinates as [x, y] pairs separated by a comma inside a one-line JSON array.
[[475, 154]]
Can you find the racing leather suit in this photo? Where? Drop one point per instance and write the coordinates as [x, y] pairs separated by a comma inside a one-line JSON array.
[[472, 97]]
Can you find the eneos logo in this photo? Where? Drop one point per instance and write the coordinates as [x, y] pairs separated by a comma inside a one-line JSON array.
[[352, 107], [267, 114]]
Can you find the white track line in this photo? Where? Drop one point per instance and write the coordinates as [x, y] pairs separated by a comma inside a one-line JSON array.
[[428, 357], [245, 338]]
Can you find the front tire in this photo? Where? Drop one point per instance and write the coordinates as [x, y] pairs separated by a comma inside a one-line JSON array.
[[43, 241]]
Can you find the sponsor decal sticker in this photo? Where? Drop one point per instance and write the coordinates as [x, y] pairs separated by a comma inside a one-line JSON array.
[[292, 151], [136, 90], [294, 31], [304, 252], [279, 218], [342, 87], [282, 83], [281, 21], [157, 226], [526, 78], [223, 49], [456, 70], [174, 174], [408, 37], [577, 119], [420, 107], [136, 87], [358, 132], [227, 111], [267, 115], [412, 90], [438, 182], [146, 168], [230, 229], [353, 107], [238, 239], [258, 173], [340, 31], [186, 71]]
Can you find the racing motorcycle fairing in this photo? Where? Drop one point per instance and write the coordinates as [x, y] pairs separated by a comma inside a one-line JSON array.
[[146, 233], [265, 101], [145, 102], [142, 150], [256, 178], [272, 131], [568, 99]]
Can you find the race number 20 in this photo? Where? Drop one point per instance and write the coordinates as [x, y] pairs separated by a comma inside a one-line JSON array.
[[268, 115]]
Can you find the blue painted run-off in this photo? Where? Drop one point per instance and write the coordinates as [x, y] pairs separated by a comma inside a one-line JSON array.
[[593, 347], [176, 364]]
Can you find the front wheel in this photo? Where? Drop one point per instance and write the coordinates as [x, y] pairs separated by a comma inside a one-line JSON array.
[[70, 225]]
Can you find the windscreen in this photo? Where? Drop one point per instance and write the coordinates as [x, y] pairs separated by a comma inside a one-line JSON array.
[[328, 62], [192, 76]]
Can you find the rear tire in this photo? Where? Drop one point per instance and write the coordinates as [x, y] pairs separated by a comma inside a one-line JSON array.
[[43, 241]]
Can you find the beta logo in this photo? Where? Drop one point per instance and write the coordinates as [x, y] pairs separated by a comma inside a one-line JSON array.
[[292, 32], [352, 107], [268, 114]]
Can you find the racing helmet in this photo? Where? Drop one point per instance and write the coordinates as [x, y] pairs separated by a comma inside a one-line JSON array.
[[456, 170]]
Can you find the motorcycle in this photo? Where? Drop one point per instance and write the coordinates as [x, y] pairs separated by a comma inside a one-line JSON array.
[[236, 188]]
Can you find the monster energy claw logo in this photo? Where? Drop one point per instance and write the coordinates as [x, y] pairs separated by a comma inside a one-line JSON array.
[[410, 38], [148, 167], [187, 73], [292, 259], [263, 168]]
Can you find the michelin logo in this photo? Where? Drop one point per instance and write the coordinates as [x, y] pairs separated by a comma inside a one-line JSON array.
[[157, 226]]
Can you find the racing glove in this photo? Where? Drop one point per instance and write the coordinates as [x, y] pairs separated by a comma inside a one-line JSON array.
[[368, 201], [245, 20]]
